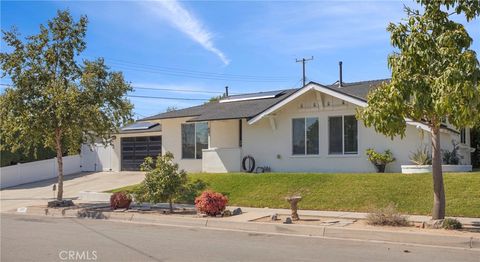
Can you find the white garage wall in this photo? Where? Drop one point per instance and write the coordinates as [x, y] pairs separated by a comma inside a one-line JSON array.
[[37, 171], [98, 157]]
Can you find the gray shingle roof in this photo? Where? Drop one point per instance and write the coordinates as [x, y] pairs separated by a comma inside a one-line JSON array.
[[240, 109], [152, 127], [186, 112], [358, 89], [251, 108]]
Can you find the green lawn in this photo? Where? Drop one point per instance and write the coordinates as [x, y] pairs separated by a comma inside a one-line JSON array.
[[413, 194]]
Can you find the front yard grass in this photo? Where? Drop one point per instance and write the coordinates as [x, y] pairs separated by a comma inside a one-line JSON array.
[[413, 194]]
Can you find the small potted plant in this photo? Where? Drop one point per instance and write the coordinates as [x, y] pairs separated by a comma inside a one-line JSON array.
[[380, 160]]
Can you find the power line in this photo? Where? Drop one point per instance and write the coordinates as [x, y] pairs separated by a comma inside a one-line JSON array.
[[167, 89], [211, 74], [179, 74], [169, 98], [154, 97], [179, 90]]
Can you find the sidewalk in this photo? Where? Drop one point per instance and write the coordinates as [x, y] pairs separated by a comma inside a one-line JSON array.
[[406, 235], [256, 212]]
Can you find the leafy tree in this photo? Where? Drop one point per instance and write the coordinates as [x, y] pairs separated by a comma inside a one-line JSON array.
[[215, 99], [171, 109], [434, 77], [163, 180], [57, 101]]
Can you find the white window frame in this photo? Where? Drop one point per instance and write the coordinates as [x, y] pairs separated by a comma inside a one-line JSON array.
[[343, 137], [195, 139], [305, 136]]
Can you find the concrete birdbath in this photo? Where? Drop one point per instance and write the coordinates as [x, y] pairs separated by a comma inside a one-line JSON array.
[[293, 200]]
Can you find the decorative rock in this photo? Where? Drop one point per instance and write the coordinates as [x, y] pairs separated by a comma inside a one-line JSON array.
[[227, 213], [237, 211], [274, 217], [60, 203], [91, 214], [435, 224], [288, 220]]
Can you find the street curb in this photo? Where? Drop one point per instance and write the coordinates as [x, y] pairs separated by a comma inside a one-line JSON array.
[[467, 242], [470, 241]]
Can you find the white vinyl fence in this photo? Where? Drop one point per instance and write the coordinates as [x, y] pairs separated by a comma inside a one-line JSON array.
[[37, 171]]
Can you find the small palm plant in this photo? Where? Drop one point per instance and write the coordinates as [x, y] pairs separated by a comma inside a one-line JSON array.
[[421, 157]]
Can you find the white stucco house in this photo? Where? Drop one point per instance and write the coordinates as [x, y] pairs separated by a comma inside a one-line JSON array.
[[310, 129]]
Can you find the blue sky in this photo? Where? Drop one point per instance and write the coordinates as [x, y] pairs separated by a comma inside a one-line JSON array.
[[204, 46]]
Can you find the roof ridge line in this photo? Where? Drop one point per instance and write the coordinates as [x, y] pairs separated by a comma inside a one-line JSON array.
[[365, 81]]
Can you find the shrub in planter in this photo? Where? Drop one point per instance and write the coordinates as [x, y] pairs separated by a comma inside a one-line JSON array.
[[211, 203], [380, 160], [120, 200], [451, 157], [421, 157]]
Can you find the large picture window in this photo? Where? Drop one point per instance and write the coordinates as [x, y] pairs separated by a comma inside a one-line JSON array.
[[342, 135], [305, 136], [194, 139]]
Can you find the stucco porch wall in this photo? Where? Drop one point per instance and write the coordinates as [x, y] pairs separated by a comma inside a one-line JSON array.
[[221, 160], [269, 141]]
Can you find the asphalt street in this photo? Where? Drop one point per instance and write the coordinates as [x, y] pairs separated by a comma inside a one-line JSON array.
[[32, 238]]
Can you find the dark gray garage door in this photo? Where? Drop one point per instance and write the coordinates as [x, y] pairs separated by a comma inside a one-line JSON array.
[[135, 149]]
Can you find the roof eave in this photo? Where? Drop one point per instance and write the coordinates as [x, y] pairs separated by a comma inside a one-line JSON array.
[[303, 90]]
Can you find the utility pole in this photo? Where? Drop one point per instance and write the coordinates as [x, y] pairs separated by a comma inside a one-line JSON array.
[[303, 60]]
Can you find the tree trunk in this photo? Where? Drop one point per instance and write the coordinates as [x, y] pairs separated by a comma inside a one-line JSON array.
[[438, 189], [58, 145], [170, 202]]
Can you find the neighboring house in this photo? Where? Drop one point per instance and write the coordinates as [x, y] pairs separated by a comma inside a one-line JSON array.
[[310, 129]]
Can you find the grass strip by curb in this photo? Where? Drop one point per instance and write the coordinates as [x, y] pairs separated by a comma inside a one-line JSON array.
[[413, 194]]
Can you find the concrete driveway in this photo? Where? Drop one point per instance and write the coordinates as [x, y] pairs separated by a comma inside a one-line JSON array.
[[38, 193]]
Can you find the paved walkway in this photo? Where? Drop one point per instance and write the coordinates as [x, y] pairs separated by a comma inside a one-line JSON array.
[[38, 193], [252, 213]]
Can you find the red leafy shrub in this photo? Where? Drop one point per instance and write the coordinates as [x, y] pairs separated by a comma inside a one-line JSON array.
[[211, 203], [120, 200]]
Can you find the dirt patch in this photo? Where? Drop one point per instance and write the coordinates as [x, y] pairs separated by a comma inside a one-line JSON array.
[[311, 220], [188, 212]]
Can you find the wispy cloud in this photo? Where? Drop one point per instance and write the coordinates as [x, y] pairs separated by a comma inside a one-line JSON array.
[[324, 26], [185, 21]]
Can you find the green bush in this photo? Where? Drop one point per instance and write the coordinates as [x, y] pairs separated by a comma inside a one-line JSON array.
[[191, 191], [451, 157], [379, 158], [451, 223], [163, 180]]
